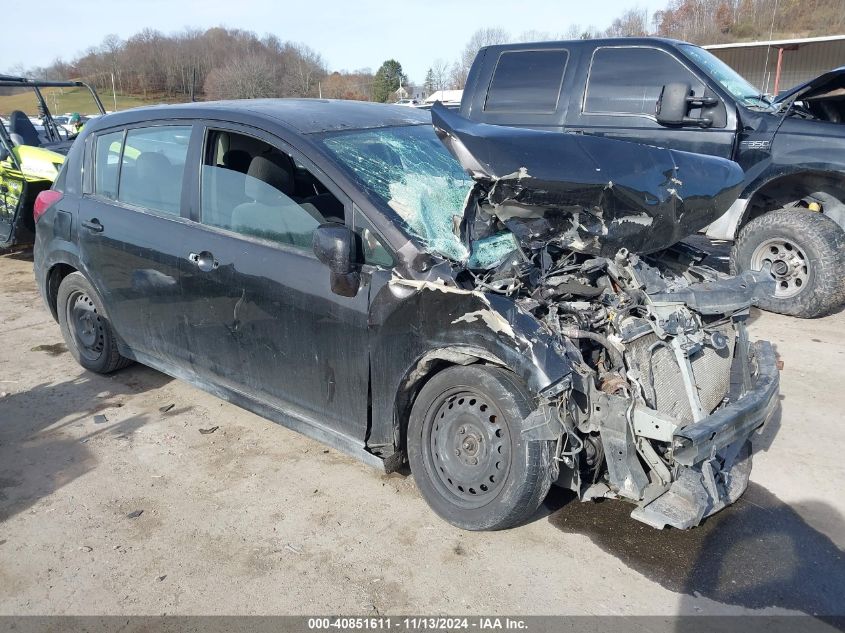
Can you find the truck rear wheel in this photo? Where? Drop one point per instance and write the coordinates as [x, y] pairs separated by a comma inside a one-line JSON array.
[[805, 252]]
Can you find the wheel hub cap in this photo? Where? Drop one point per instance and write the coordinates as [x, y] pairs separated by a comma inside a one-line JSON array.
[[787, 264]]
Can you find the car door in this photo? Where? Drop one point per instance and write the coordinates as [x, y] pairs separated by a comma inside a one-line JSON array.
[[619, 97], [263, 319], [12, 189], [133, 220]]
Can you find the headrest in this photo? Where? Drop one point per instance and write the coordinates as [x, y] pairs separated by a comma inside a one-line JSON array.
[[152, 166], [237, 160], [272, 170]]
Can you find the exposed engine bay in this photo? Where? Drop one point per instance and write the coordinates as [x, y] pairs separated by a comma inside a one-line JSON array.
[[665, 388], [658, 345]]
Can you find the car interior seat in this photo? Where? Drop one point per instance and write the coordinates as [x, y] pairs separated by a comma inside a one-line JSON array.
[[237, 160], [272, 213], [152, 183], [23, 129]]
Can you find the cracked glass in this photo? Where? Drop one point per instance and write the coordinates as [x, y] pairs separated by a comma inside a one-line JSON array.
[[408, 170]]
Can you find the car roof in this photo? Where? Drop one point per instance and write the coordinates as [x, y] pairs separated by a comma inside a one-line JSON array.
[[303, 116], [592, 43]]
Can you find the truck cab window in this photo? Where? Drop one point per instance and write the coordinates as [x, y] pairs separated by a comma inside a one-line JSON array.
[[527, 81], [628, 80]]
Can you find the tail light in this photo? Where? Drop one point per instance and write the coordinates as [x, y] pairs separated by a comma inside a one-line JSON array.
[[44, 201]]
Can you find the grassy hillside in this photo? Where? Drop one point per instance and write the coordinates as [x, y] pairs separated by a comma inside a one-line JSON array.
[[62, 100]]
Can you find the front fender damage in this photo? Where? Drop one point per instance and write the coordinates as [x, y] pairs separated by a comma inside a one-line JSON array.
[[571, 276]]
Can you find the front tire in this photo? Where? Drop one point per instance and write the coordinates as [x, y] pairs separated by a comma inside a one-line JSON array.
[[467, 451], [85, 328], [806, 253]]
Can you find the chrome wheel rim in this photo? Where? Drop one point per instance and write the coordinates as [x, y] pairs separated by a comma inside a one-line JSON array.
[[787, 263]]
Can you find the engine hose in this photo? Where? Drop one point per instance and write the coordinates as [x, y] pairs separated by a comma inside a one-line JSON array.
[[614, 354]]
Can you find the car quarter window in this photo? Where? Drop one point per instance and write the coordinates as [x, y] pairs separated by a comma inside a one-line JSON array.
[[152, 167], [628, 80], [106, 163], [253, 188], [527, 81]]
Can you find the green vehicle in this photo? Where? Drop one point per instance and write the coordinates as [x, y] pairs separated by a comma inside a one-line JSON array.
[[31, 153]]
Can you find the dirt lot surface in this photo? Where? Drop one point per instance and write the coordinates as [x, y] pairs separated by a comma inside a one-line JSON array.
[[113, 501]]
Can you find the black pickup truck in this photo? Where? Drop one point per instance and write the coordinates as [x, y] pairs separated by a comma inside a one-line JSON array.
[[790, 216]]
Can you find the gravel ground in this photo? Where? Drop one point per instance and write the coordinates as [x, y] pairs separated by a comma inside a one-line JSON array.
[[112, 501]]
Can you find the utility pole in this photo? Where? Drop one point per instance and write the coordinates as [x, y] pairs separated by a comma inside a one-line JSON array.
[[113, 92]]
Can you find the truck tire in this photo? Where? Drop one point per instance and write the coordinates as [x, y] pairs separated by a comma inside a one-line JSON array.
[[467, 451], [806, 252], [85, 327]]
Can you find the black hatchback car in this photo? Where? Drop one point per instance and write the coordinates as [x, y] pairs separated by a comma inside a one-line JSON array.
[[356, 273]]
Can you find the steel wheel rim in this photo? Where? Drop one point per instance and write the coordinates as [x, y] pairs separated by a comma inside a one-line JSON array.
[[86, 326], [787, 263], [467, 447]]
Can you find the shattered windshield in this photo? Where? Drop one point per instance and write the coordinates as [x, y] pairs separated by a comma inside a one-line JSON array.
[[727, 77], [410, 171]]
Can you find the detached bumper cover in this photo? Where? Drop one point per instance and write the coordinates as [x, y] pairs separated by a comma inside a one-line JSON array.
[[713, 454]]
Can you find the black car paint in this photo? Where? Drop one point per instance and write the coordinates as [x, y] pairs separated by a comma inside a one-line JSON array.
[[770, 146], [352, 362], [628, 195]]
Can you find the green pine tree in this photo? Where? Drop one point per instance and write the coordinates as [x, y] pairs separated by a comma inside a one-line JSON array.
[[387, 81]]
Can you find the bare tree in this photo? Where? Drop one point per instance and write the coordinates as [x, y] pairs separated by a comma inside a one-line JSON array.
[[244, 77], [479, 39], [533, 35], [632, 23], [440, 74]]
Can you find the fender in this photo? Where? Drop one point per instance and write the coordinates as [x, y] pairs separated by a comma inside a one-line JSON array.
[[67, 254], [415, 323], [758, 178]]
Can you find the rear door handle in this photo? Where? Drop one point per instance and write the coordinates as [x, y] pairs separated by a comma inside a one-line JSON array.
[[204, 261], [94, 225]]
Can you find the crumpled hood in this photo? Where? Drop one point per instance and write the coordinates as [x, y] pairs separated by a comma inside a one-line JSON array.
[[833, 82], [590, 194]]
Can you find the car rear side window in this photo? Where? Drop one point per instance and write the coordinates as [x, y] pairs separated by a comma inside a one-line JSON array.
[[527, 81], [107, 163], [253, 188], [628, 80], [153, 166]]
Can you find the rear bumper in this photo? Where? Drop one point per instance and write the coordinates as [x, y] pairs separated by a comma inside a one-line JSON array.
[[713, 455]]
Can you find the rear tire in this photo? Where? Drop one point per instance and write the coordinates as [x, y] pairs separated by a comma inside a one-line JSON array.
[[806, 251], [467, 451], [85, 327]]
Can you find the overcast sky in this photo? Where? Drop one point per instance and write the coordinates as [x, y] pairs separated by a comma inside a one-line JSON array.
[[349, 34]]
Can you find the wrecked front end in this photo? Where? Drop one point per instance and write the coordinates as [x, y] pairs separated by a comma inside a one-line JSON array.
[[665, 388]]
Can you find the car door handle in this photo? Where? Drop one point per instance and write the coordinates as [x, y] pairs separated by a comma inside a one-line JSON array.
[[204, 260], [93, 225]]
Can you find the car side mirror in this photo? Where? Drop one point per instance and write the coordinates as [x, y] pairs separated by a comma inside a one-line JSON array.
[[675, 102], [336, 246], [4, 154]]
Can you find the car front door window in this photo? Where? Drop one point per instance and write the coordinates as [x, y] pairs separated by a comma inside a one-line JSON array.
[[255, 189]]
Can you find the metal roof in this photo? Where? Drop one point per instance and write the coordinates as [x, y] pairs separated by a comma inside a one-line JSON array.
[[789, 42], [306, 116]]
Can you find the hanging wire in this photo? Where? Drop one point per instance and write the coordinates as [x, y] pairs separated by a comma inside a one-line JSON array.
[[769, 48]]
